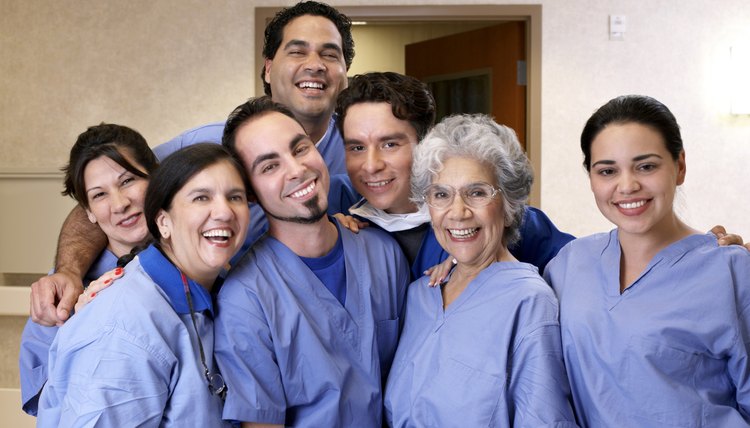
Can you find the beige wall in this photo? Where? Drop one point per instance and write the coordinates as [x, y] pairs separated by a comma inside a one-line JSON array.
[[165, 66], [158, 66], [30, 220]]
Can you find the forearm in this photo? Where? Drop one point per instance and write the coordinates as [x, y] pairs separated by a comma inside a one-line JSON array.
[[79, 244]]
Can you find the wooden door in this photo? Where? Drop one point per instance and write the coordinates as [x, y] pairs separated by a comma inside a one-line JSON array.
[[494, 54]]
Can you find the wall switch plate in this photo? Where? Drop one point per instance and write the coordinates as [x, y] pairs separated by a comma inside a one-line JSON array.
[[617, 24]]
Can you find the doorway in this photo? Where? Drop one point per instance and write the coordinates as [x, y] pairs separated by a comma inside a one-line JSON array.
[[531, 15], [477, 71]]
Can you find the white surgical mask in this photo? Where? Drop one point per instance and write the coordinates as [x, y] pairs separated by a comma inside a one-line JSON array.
[[391, 222]]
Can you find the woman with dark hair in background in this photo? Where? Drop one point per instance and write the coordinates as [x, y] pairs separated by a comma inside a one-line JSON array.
[[107, 174]]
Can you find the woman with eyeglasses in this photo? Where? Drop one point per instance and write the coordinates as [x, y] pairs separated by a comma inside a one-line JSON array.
[[107, 174], [141, 353], [655, 315], [482, 348]]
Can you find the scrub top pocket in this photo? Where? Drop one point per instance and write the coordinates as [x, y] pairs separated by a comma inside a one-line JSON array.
[[460, 390], [654, 371]]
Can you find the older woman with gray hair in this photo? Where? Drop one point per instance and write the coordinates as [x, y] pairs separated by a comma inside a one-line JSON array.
[[483, 348]]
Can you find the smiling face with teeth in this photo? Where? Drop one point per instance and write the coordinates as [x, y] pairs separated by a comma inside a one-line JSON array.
[[206, 222], [634, 178], [308, 71], [288, 175], [115, 202], [379, 150], [473, 236]]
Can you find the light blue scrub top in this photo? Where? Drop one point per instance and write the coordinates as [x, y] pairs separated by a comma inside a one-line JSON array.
[[291, 353], [672, 350], [130, 357], [36, 340], [331, 148], [491, 359]]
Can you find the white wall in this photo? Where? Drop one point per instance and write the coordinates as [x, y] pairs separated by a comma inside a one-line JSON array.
[[675, 51]]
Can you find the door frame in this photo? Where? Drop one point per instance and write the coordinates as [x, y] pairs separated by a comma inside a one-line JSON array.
[[530, 13]]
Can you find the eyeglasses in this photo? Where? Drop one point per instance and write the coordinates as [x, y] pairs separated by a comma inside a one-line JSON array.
[[474, 195], [216, 385]]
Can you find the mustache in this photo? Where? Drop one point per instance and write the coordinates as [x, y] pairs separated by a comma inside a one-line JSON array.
[[292, 186]]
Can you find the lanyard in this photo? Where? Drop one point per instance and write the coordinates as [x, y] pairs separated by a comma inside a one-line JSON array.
[[216, 383]]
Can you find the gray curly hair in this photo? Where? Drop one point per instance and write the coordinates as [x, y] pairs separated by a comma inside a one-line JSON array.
[[477, 136]]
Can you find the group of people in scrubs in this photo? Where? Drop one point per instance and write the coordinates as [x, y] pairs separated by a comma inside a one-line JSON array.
[[420, 303]]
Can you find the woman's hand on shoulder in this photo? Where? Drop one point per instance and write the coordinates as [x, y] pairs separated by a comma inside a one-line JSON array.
[[350, 222], [725, 238], [439, 272], [98, 285]]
